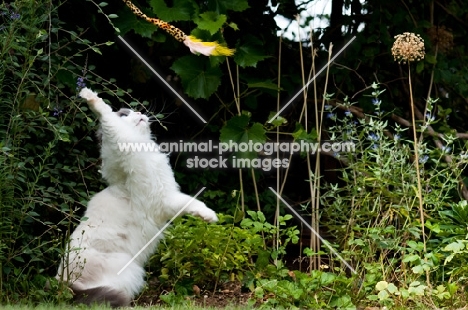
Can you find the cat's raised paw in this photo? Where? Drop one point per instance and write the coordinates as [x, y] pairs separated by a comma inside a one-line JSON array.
[[95, 103], [88, 94]]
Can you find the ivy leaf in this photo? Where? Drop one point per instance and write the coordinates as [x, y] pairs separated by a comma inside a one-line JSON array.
[[249, 53], [211, 21], [237, 130], [199, 78], [181, 10]]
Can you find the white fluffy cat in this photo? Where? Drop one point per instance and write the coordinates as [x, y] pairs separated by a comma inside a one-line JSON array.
[[142, 196]]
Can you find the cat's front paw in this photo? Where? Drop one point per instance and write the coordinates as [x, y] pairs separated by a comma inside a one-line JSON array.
[[95, 103], [198, 208], [88, 94], [208, 215]]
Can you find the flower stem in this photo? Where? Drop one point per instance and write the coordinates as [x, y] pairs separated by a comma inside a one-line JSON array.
[[418, 175]]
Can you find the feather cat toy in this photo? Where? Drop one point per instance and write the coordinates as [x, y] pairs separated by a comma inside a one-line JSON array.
[[196, 45]]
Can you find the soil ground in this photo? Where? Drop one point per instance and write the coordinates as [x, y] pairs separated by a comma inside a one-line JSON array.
[[227, 294]]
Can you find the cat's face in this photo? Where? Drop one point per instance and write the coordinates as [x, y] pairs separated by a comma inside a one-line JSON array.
[[135, 119]]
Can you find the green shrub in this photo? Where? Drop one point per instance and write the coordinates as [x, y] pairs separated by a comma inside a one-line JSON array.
[[47, 154], [194, 252]]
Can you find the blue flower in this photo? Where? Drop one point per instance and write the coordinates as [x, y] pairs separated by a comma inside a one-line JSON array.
[[327, 107], [57, 111], [348, 113], [376, 101], [374, 146], [429, 117], [373, 137], [80, 83], [396, 137], [423, 159], [15, 16], [331, 116], [446, 149]]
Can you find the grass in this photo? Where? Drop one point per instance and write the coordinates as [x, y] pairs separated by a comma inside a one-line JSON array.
[[99, 307]]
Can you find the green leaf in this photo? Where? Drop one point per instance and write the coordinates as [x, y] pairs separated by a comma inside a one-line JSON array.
[[411, 258], [418, 269], [233, 26], [392, 289], [103, 4], [265, 84], [261, 217], [263, 259], [180, 10], [112, 16], [199, 78], [234, 128], [278, 121], [211, 21], [430, 59], [383, 295], [420, 67], [237, 130], [127, 21], [233, 5], [417, 290], [250, 52], [382, 285], [456, 246], [300, 134]]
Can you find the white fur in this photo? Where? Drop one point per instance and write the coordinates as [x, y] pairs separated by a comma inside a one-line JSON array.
[[142, 196]]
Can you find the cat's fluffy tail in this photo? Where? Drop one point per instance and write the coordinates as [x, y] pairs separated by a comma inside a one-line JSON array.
[[100, 295]]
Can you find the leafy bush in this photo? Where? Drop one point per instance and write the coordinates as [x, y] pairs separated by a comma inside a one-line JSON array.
[[194, 252], [47, 154]]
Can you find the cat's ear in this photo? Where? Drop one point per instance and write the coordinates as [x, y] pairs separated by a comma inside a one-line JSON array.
[[96, 104]]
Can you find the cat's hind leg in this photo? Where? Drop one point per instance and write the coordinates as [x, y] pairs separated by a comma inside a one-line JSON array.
[[107, 278]]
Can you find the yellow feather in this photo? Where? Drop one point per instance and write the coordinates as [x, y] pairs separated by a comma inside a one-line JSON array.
[[207, 48]]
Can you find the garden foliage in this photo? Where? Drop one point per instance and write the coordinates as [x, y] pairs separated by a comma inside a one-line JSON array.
[[366, 202]]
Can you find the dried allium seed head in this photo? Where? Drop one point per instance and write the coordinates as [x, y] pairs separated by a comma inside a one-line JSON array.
[[441, 37], [408, 47]]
